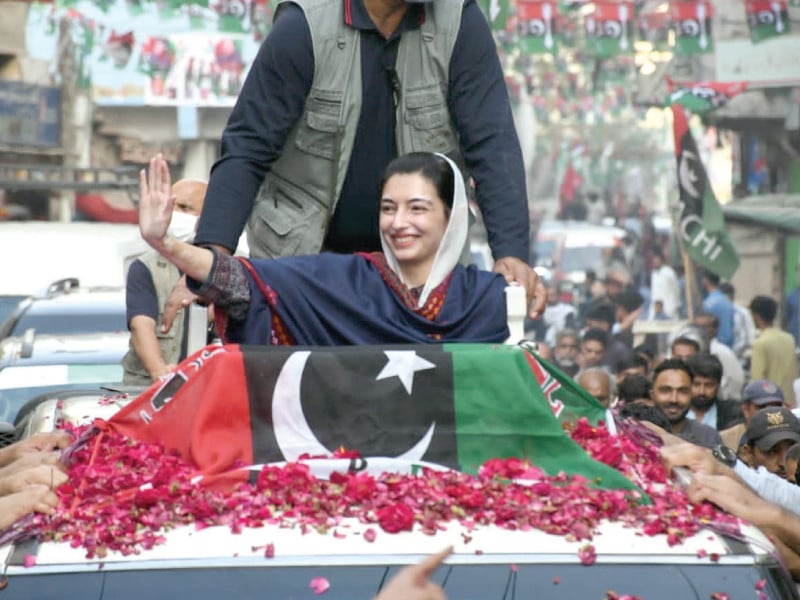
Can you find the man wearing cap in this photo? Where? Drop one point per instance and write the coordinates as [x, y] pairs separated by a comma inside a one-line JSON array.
[[770, 433], [757, 395], [338, 89]]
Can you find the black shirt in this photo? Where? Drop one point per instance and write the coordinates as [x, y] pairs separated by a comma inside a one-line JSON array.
[[273, 98]]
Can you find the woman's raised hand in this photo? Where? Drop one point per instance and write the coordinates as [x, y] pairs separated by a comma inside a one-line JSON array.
[[155, 201]]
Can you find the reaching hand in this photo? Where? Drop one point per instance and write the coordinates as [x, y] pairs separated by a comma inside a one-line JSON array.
[[514, 269], [156, 201], [413, 582], [50, 475], [34, 498], [38, 442]]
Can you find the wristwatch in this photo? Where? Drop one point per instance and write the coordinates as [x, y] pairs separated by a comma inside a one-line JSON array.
[[724, 455]]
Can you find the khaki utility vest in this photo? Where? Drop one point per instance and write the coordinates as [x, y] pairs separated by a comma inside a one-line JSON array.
[[165, 275], [295, 203]]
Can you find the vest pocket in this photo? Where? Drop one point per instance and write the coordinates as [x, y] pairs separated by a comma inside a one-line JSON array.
[[318, 133], [280, 219], [430, 120]]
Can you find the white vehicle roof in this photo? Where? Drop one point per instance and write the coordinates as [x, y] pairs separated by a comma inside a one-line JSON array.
[[187, 547]]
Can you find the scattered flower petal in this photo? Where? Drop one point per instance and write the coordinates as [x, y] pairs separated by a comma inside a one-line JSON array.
[[320, 585], [29, 561]]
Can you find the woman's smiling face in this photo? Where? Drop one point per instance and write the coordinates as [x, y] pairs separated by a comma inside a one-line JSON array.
[[413, 219]]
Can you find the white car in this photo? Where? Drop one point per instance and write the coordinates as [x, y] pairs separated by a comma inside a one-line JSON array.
[[288, 563]]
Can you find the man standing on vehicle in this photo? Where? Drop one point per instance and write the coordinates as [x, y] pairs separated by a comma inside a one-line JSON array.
[[338, 89]]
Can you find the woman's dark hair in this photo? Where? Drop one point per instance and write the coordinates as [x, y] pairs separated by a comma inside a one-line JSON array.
[[432, 167]]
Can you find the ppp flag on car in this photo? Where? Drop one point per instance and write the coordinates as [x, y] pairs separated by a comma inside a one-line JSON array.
[[456, 405], [701, 222]]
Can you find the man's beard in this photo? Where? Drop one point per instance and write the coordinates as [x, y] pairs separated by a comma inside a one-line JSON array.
[[703, 402]]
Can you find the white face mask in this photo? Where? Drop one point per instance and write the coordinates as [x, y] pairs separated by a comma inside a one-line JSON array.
[[182, 226]]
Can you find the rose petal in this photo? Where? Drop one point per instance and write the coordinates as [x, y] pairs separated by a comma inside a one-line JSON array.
[[29, 561], [320, 585], [269, 551]]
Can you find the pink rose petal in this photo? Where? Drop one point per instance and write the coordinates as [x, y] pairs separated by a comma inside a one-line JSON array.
[[320, 585], [29, 561], [269, 551]]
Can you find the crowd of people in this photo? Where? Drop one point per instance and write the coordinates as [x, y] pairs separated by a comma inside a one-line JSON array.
[[720, 388]]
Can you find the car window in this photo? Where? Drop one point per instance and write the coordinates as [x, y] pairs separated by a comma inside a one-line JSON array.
[[461, 582], [95, 322], [8, 304]]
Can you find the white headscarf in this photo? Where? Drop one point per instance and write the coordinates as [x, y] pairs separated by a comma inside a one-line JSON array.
[[453, 240]]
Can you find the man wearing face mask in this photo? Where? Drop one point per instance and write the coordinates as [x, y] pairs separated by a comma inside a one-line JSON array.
[[153, 351]]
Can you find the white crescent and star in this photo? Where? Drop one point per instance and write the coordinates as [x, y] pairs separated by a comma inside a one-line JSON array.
[[687, 175], [292, 432], [403, 364]]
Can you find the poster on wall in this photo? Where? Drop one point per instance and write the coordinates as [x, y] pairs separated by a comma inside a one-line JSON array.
[[155, 52]]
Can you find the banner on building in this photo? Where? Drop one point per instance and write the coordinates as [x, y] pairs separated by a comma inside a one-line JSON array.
[[134, 53], [767, 19], [654, 28], [497, 13], [609, 29], [691, 23], [30, 115], [537, 26]]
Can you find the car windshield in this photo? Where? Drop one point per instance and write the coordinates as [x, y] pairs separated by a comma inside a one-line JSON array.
[[96, 322], [460, 582]]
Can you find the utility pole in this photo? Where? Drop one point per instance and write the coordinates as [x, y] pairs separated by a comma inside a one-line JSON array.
[[76, 117]]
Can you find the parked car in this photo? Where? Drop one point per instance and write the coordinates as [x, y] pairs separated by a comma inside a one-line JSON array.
[[34, 364], [564, 250], [67, 308]]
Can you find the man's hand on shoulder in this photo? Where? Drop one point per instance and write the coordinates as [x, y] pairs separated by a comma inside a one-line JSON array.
[[514, 269]]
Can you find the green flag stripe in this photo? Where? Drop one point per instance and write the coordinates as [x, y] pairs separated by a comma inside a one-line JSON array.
[[514, 418]]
